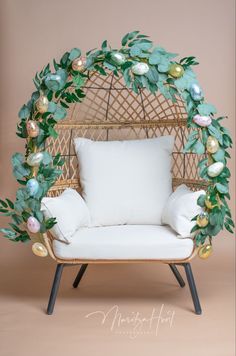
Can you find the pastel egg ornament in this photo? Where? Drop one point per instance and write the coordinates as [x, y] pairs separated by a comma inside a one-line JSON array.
[[196, 92], [205, 251], [202, 121], [33, 225], [32, 186], [118, 58], [202, 219], [39, 249], [176, 70], [79, 64], [140, 68], [212, 144], [34, 159], [57, 80], [32, 128], [215, 169], [42, 104]]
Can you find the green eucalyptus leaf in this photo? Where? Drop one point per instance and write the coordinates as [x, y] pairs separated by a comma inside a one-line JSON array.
[[198, 148], [24, 112], [74, 53], [215, 132], [52, 107], [3, 203], [201, 200], [219, 156], [60, 113], [52, 132], [223, 189], [47, 158], [206, 109], [8, 233], [152, 75]]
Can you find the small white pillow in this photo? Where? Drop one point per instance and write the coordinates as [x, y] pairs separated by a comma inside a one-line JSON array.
[[180, 208], [71, 213], [125, 182]]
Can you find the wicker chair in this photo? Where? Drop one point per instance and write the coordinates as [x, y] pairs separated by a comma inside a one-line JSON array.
[[111, 111]]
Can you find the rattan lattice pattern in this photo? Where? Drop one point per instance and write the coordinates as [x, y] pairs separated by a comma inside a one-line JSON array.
[[110, 111]]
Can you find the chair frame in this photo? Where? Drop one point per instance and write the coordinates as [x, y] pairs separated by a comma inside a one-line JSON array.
[[108, 112]]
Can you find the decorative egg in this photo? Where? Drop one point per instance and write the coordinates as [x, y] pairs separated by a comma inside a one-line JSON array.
[[205, 251], [118, 58], [39, 249], [215, 169], [54, 82], [202, 219], [176, 70], [79, 64], [32, 186], [34, 159], [196, 92], [42, 104], [32, 128], [209, 204], [33, 224], [202, 121], [212, 144], [140, 68]]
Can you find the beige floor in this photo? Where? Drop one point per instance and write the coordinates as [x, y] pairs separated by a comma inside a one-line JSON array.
[[112, 295]]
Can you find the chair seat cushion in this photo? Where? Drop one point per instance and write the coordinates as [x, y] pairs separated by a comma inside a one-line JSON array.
[[125, 242]]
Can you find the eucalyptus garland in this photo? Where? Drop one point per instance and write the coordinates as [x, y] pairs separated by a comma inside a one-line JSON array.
[[142, 66]]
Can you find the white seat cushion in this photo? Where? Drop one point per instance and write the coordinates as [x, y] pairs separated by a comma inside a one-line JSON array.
[[125, 182], [125, 242]]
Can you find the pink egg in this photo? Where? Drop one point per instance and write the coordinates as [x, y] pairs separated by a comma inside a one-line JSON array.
[[202, 121], [33, 224]]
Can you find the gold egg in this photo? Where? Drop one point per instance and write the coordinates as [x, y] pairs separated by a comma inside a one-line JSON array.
[[32, 128], [205, 251], [39, 249], [42, 104], [78, 64], [212, 144], [202, 220], [176, 70]]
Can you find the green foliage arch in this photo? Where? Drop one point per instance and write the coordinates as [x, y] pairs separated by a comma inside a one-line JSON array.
[[142, 65]]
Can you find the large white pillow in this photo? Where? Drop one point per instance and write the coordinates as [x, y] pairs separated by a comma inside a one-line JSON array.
[[180, 208], [71, 213], [125, 182]]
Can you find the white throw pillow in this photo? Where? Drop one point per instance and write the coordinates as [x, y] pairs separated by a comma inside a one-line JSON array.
[[125, 182], [71, 213], [180, 208]]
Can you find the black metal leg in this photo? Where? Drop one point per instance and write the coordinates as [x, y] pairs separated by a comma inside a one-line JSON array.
[[177, 275], [192, 288], [79, 275], [55, 287]]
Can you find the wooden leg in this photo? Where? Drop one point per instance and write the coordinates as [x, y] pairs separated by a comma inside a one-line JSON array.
[[54, 290], [79, 275]]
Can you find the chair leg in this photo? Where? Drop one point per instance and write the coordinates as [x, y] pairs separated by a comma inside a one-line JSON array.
[[177, 275], [192, 287], [54, 290], [79, 275]]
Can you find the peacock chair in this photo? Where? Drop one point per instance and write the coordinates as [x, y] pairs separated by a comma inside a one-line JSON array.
[[110, 111], [104, 98]]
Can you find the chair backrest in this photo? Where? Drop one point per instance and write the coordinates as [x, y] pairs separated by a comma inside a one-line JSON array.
[[111, 111]]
